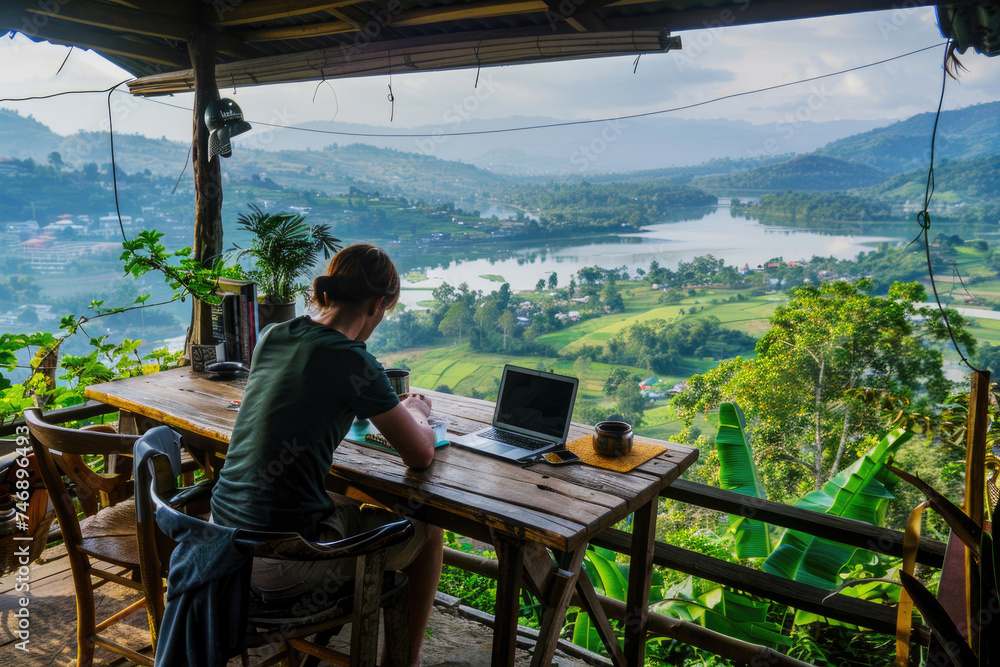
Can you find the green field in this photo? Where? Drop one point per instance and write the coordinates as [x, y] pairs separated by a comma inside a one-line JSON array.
[[470, 373]]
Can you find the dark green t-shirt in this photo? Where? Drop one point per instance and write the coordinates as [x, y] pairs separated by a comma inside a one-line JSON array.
[[307, 384]]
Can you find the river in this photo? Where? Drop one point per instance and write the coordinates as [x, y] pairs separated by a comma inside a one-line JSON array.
[[716, 231]]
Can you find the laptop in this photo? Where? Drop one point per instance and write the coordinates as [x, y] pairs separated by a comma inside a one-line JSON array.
[[533, 412]]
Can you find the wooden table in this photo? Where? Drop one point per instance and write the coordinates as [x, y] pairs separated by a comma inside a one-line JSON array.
[[538, 518]]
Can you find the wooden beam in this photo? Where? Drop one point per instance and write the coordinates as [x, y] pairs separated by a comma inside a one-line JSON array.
[[237, 13], [697, 16], [975, 494], [295, 31], [117, 20], [420, 54], [177, 10], [835, 528], [207, 179], [98, 40], [466, 11], [410, 18], [140, 22]]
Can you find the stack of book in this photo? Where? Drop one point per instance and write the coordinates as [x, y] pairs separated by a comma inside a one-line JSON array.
[[234, 321]]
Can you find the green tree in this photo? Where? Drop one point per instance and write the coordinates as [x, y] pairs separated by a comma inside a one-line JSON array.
[[553, 280], [611, 297], [540, 285], [630, 402], [486, 318], [506, 322], [802, 392], [457, 317]]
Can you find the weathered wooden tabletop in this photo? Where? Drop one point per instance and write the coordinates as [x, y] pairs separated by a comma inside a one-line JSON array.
[[559, 507]]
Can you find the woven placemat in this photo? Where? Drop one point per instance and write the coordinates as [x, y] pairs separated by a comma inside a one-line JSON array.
[[641, 452]]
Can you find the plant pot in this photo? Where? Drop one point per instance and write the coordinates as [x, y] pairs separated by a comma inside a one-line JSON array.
[[271, 313]]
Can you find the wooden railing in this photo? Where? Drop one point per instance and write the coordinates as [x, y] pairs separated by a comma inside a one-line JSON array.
[[878, 617]]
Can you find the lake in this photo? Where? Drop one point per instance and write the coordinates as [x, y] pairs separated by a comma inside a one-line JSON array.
[[715, 231]]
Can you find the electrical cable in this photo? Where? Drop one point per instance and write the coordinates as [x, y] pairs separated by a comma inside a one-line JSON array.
[[924, 216], [114, 167], [65, 92], [568, 123]]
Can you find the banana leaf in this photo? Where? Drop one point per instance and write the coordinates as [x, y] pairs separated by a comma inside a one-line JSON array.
[[584, 633], [725, 611], [859, 492], [609, 578], [738, 472]]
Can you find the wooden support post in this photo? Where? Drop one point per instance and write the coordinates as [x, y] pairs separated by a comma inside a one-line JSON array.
[[640, 576], [975, 490], [510, 558], [207, 179]]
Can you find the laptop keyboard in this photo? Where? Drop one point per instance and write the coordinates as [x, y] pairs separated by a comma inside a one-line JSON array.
[[514, 439]]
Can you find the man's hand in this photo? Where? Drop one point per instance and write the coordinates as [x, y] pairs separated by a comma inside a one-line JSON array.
[[418, 405]]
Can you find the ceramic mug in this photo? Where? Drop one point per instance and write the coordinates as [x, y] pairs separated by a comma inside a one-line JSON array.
[[612, 438], [399, 378]]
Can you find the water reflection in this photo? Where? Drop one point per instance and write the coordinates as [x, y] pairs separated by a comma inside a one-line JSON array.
[[737, 240]]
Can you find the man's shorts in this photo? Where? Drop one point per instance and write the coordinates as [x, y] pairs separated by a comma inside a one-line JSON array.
[[283, 579]]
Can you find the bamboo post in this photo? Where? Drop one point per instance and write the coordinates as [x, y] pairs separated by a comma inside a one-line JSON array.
[[207, 180], [975, 487]]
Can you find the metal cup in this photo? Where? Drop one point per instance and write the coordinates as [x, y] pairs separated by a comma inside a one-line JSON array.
[[612, 438], [399, 378]]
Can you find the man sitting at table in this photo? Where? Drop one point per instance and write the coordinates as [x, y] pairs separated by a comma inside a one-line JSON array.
[[310, 378]]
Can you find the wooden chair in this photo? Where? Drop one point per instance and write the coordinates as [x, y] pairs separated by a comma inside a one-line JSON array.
[[284, 624], [107, 534]]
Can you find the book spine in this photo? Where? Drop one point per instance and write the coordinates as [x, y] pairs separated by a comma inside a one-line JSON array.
[[231, 315], [244, 330]]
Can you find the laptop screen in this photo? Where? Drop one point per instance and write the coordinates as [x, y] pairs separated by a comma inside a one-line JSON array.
[[536, 402]]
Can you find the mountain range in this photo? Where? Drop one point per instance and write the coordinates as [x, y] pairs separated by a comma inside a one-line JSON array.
[[888, 160]]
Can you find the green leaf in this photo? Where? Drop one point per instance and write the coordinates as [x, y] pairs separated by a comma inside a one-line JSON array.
[[858, 492], [612, 582], [738, 472], [965, 528]]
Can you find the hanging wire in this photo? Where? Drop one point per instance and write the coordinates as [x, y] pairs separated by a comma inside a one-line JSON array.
[[183, 169], [924, 216], [65, 60], [479, 65], [114, 168], [64, 92], [413, 135], [635, 65]]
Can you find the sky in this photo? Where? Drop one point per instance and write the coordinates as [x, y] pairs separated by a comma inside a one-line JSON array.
[[714, 62]]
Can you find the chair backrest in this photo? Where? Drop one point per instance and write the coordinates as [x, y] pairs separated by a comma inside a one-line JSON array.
[[59, 450], [158, 499]]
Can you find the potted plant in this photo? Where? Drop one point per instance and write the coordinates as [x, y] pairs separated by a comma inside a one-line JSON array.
[[283, 247]]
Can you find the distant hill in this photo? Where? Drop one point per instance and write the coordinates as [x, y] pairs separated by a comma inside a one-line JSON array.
[[576, 149], [971, 181], [24, 138], [904, 146], [685, 175], [815, 173]]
